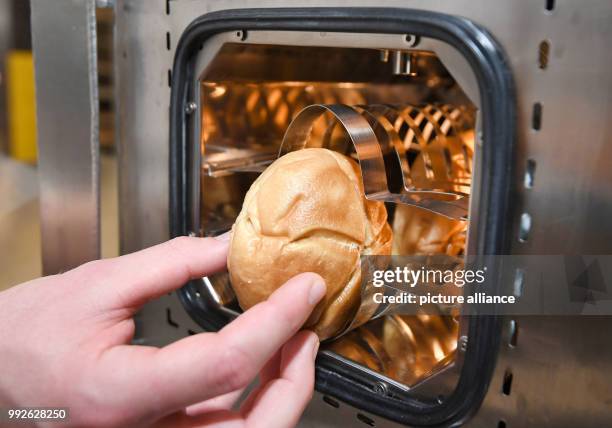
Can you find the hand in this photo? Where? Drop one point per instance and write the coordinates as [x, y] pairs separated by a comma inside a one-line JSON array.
[[65, 342]]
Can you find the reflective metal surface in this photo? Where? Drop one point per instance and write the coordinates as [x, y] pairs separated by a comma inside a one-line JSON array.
[[64, 45], [404, 348], [560, 367], [142, 93], [436, 168]]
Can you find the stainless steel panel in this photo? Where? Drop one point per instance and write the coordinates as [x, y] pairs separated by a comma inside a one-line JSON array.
[[64, 44], [142, 64], [560, 365], [142, 94]]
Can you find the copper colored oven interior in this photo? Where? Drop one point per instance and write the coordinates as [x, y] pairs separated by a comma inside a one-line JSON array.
[[248, 97]]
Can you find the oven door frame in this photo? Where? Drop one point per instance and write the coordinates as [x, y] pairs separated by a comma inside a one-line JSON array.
[[497, 140]]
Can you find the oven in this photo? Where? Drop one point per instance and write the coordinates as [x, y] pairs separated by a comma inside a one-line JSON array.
[[481, 125], [248, 85]]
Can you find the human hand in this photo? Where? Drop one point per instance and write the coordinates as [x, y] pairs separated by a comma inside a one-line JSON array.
[[65, 342]]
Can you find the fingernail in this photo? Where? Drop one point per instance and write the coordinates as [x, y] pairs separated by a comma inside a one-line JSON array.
[[317, 291], [315, 348], [224, 237]]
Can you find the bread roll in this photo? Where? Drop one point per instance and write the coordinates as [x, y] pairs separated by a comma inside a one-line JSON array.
[[307, 213], [421, 232]]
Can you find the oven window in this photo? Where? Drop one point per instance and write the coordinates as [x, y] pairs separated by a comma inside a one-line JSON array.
[[248, 96]]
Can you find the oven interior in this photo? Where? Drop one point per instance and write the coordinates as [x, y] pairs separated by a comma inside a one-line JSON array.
[[248, 94]]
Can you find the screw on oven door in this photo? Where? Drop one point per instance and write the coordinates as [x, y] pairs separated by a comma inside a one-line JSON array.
[[190, 107], [381, 388], [412, 39], [463, 342]]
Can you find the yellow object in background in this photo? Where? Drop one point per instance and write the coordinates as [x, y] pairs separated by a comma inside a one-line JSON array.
[[21, 105]]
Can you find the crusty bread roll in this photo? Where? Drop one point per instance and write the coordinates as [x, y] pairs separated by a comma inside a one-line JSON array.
[[421, 232], [307, 213]]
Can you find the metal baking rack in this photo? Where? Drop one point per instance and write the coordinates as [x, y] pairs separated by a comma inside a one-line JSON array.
[[430, 146], [221, 160], [438, 185]]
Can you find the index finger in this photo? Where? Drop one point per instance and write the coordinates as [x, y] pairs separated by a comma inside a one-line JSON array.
[[133, 279]]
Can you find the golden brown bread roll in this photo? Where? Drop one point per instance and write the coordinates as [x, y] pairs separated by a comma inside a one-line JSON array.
[[419, 231], [307, 213]]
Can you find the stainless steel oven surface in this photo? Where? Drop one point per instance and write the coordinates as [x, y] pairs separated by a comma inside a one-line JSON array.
[[482, 126]]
